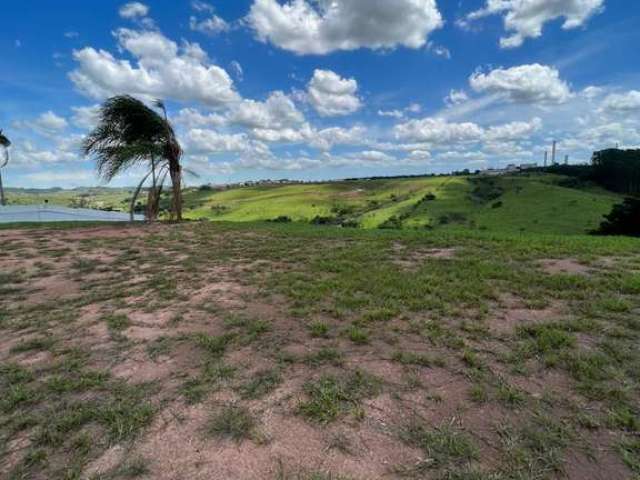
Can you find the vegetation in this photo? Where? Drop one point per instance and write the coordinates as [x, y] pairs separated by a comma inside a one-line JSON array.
[[130, 133], [618, 170], [443, 353], [624, 219], [5, 143]]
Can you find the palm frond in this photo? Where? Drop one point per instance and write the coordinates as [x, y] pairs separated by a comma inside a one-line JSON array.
[[4, 141]]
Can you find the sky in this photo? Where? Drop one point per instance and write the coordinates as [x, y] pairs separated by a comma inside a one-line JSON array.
[[322, 89]]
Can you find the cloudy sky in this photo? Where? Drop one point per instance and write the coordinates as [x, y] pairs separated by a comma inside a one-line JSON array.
[[319, 89]]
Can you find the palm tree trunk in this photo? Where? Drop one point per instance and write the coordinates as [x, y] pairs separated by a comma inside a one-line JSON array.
[[3, 201], [176, 182], [135, 196]]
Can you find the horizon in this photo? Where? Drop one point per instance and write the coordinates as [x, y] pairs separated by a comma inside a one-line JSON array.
[[254, 97]]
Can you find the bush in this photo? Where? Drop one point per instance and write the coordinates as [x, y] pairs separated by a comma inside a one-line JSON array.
[[319, 220], [281, 219], [391, 223], [624, 219]]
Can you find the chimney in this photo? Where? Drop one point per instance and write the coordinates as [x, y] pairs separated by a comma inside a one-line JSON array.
[[546, 157], [553, 152], [566, 159]]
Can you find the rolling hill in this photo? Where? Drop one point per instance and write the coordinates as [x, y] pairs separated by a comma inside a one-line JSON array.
[[532, 203]]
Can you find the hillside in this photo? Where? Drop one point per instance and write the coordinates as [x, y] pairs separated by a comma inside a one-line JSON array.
[[533, 203]]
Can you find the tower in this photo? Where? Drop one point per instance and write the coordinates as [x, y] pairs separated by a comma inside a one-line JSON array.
[[553, 152], [546, 157]]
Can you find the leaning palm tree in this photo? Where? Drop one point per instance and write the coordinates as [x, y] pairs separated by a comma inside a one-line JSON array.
[[129, 133], [5, 144]]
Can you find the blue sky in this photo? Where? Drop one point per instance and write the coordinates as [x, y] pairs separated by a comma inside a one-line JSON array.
[[319, 89]]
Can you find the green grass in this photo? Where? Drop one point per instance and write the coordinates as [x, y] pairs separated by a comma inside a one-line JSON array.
[[330, 396], [557, 209], [327, 301], [233, 422]]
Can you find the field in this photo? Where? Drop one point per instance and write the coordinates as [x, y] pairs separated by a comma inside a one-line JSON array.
[[495, 204], [446, 202], [215, 350]]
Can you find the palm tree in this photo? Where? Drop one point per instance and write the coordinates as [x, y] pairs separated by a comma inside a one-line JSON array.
[[130, 133], [5, 144]]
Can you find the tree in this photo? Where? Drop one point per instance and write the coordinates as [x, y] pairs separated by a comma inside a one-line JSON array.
[[5, 144], [130, 133], [624, 219]]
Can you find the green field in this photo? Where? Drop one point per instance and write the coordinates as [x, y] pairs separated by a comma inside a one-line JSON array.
[[524, 203], [533, 203], [93, 197]]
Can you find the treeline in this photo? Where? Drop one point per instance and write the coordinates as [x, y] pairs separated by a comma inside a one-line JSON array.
[[617, 170], [614, 169]]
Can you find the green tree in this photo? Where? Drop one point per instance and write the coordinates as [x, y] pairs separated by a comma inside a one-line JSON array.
[[130, 133], [5, 144]]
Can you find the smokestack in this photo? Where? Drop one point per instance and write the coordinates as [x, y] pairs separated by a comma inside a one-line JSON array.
[[566, 159], [553, 153], [546, 157]]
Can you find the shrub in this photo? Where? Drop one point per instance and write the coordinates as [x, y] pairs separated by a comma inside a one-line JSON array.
[[281, 219], [391, 223], [624, 219]]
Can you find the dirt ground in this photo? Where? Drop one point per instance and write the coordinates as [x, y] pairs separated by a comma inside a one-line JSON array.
[[193, 353]]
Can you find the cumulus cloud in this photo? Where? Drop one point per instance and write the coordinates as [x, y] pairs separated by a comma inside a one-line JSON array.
[[277, 112], [161, 70], [438, 131], [332, 95], [524, 84], [51, 121], [622, 102], [192, 118], [526, 18], [85, 117], [134, 10], [210, 26], [513, 130], [456, 97], [321, 27]]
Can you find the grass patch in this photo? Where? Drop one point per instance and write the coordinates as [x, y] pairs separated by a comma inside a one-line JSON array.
[[232, 422], [330, 396]]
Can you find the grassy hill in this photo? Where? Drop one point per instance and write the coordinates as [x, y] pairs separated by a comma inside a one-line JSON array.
[[532, 203], [528, 203]]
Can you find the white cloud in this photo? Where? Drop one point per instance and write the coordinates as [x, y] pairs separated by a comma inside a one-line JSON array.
[[513, 130], [199, 6], [332, 95], [210, 26], [237, 70], [192, 118], [134, 10], [524, 84], [456, 97], [277, 112], [162, 70], [526, 18], [438, 131], [50, 121], [592, 92], [325, 26], [391, 113], [85, 117], [374, 156], [622, 102]]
